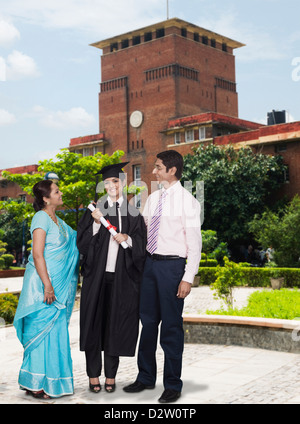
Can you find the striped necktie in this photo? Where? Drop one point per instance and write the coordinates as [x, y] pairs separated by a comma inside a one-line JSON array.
[[154, 226]]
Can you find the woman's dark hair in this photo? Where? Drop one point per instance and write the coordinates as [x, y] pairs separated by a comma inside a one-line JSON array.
[[40, 190], [172, 158]]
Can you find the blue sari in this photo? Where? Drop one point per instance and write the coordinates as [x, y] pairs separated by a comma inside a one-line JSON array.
[[41, 328]]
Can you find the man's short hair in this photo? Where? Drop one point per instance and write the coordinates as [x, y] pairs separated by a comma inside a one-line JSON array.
[[172, 158]]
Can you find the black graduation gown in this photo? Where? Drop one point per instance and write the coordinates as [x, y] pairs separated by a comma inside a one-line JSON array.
[[124, 322]]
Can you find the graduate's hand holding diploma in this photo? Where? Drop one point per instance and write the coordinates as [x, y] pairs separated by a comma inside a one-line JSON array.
[[98, 217], [96, 214]]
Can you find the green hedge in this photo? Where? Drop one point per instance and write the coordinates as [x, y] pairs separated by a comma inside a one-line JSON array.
[[255, 277], [208, 263]]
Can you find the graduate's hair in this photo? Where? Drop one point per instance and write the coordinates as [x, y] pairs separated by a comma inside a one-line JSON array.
[[40, 190], [172, 158]]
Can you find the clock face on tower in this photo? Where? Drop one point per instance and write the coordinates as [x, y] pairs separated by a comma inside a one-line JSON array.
[[136, 119]]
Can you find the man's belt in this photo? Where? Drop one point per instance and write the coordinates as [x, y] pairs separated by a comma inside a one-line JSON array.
[[157, 257]]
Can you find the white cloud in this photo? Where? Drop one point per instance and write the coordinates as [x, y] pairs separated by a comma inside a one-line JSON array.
[[2, 69], [8, 33], [6, 118], [92, 16], [260, 45], [48, 154], [19, 66], [76, 117]]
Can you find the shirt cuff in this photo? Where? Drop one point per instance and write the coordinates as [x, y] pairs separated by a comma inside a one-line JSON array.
[[188, 277], [96, 228], [129, 241]]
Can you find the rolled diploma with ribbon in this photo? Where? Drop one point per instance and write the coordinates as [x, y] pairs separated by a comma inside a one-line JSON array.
[[107, 225]]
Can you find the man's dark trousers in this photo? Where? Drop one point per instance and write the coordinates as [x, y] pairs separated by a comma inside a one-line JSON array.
[[159, 303]]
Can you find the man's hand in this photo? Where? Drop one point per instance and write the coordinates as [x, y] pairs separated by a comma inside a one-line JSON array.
[[184, 289]]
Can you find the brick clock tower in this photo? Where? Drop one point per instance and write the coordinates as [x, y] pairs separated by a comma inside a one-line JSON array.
[[154, 75]]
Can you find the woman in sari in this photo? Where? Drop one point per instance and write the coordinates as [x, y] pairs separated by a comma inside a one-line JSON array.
[[47, 299]]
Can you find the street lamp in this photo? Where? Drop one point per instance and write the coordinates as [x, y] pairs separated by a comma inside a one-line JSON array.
[[52, 176]]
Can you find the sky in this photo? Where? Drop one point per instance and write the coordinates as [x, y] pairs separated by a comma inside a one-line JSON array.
[[50, 75]]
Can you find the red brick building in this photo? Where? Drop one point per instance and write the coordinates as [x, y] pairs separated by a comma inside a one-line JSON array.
[[172, 85], [153, 76], [283, 139], [8, 189]]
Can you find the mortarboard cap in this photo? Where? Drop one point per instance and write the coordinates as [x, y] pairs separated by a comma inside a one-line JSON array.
[[114, 170]]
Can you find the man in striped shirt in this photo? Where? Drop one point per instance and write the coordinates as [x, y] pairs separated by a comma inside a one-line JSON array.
[[172, 216]]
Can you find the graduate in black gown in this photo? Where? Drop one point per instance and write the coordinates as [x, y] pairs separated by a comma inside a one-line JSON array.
[[109, 306]]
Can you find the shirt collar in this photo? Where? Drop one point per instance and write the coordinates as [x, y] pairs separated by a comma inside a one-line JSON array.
[[120, 201], [173, 188]]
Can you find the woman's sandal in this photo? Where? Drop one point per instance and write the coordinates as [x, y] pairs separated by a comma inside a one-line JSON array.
[[38, 395], [95, 388], [109, 388]]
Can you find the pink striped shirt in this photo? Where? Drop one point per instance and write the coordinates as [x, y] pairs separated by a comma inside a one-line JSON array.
[[180, 227]]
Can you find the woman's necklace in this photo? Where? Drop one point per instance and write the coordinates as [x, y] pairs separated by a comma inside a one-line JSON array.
[[60, 227]]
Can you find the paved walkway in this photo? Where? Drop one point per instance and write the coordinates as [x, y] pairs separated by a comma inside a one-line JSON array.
[[212, 374]]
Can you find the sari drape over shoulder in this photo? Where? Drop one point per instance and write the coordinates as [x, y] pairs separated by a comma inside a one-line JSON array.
[[41, 328]]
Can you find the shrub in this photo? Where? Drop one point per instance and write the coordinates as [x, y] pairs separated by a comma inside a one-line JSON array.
[[8, 260], [228, 277], [209, 263], [279, 304], [8, 306], [254, 277], [207, 275]]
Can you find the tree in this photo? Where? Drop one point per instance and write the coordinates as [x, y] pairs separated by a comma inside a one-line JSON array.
[[14, 229], [237, 185], [76, 181], [281, 231]]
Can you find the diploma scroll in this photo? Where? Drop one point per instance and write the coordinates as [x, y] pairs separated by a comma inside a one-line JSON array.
[[107, 225]]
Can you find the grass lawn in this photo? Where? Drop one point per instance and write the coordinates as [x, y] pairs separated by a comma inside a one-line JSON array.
[[280, 304]]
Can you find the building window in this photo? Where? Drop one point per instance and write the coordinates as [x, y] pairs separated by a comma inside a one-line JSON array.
[[224, 47], [205, 40], [96, 149], [4, 199], [213, 42], [23, 197], [160, 33], [196, 36], [113, 47], [125, 43], [281, 148], [286, 175], [136, 40], [183, 32], [137, 175], [86, 151], [148, 36], [4, 184], [177, 138], [189, 136], [202, 133]]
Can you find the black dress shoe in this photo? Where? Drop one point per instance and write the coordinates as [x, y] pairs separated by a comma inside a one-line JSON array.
[[137, 387], [169, 395]]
